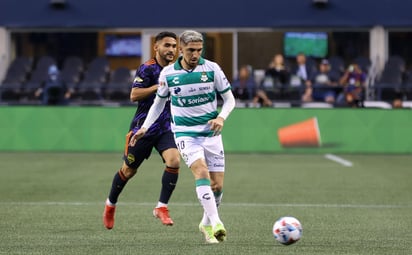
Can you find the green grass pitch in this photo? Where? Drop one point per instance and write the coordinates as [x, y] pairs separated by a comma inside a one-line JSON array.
[[52, 203]]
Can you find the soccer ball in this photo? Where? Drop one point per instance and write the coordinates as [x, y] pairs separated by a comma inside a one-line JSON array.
[[287, 230]]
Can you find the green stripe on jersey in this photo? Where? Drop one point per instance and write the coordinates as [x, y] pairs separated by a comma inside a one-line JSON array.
[[162, 96], [224, 91], [190, 78], [194, 134], [194, 121], [196, 100]]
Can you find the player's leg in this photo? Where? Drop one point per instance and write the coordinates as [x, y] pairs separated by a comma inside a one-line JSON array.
[[206, 198], [217, 186], [120, 180], [219, 231], [215, 160], [192, 153], [170, 174], [133, 157], [204, 190], [171, 158], [216, 183]]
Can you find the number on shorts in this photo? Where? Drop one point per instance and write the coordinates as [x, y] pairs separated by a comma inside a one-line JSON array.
[[181, 145]]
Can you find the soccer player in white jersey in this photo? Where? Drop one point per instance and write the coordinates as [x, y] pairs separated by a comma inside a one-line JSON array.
[[192, 83]]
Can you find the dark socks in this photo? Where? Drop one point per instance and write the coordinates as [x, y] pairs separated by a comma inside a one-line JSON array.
[[169, 180], [119, 181]]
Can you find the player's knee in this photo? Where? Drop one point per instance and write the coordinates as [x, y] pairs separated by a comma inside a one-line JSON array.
[[128, 172], [173, 161]]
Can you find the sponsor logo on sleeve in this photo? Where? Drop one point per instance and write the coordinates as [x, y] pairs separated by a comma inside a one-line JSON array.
[[138, 79]]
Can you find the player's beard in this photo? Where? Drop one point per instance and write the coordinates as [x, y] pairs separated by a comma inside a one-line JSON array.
[[169, 57], [191, 64]]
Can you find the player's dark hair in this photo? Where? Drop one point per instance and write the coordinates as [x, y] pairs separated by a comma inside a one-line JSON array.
[[164, 34]]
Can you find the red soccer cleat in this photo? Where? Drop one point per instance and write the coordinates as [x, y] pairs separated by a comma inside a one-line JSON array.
[[162, 213], [108, 216]]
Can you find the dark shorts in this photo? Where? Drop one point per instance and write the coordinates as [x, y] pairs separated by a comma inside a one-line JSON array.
[[135, 155]]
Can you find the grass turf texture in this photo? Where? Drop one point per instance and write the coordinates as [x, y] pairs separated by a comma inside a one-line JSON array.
[[52, 203]]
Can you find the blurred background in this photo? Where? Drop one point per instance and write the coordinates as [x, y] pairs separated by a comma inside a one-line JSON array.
[[97, 45]]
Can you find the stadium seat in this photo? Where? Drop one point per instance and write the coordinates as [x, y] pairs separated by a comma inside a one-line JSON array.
[[337, 64], [407, 87], [10, 91], [364, 62], [390, 83], [95, 77], [38, 76], [312, 64], [72, 71], [44, 62], [16, 75], [99, 64], [395, 61], [18, 70], [73, 62], [118, 87]]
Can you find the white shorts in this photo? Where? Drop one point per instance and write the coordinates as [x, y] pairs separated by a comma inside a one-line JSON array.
[[208, 148]]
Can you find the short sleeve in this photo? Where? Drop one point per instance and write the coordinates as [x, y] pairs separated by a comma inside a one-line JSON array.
[[142, 78]]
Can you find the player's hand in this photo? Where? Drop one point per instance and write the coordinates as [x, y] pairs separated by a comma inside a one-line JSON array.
[[139, 134], [216, 125]]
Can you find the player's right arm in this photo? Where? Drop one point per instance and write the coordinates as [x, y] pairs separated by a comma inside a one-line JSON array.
[[137, 93], [155, 110], [154, 113], [143, 84]]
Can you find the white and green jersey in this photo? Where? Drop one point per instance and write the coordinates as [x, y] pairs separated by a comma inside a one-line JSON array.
[[193, 96]]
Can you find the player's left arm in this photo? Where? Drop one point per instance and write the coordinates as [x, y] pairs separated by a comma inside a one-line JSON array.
[[228, 104], [216, 125], [224, 88]]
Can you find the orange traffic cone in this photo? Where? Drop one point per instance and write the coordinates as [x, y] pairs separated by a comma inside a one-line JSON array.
[[301, 134]]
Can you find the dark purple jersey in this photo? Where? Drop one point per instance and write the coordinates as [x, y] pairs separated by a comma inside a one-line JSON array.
[[146, 76]]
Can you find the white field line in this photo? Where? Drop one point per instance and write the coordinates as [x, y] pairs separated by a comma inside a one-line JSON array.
[[339, 160], [360, 206]]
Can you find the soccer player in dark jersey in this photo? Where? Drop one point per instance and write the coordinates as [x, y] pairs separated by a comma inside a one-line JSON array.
[[159, 136]]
